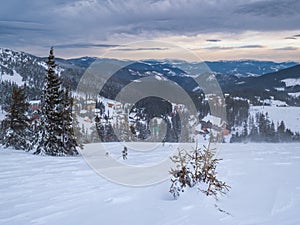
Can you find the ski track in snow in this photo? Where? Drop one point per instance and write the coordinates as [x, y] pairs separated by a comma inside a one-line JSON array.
[[64, 190]]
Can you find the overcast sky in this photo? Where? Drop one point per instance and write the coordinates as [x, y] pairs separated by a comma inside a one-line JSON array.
[[212, 29]]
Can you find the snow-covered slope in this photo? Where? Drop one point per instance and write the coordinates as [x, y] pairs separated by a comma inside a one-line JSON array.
[[14, 66], [21, 67], [14, 78], [47, 190], [291, 82], [289, 115]]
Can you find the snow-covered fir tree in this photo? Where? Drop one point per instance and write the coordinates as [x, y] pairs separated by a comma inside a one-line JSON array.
[[55, 138], [78, 132], [15, 127], [69, 138]]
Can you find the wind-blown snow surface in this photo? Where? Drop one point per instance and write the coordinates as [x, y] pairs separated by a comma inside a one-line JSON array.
[[64, 190]]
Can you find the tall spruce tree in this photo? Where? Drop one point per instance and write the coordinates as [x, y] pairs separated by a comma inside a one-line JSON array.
[[15, 127], [53, 124]]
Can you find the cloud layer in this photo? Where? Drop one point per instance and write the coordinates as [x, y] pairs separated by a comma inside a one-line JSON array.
[[108, 23]]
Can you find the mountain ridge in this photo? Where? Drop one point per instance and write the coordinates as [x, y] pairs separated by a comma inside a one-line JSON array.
[[32, 71]]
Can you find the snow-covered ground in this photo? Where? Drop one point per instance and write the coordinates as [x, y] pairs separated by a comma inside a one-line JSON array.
[[291, 82], [295, 94], [66, 191], [15, 78], [290, 115]]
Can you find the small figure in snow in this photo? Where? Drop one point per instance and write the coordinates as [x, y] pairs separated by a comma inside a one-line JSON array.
[[124, 153], [163, 142]]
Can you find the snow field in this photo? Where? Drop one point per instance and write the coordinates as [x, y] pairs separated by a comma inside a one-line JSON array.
[[65, 190]]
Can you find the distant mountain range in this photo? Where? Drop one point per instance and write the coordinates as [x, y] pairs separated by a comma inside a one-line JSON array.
[[243, 78], [282, 85], [241, 68]]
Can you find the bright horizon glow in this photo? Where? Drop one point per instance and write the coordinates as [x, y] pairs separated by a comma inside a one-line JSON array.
[[266, 46]]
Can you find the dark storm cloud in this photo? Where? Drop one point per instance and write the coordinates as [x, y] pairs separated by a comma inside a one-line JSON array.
[[271, 8], [287, 49], [270, 15], [234, 47], [213, 40], [16, 32], [6, 26], [290, 38], [294, 37], [251, 46], [60, 22]]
